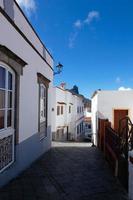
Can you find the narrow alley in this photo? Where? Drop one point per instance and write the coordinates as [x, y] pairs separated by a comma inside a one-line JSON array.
[[69, 171]]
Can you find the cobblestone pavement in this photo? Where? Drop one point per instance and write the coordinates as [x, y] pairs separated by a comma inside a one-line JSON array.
[[66, 172]]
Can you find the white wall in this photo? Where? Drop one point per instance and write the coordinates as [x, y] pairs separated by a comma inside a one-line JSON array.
[[28, 86], [24, 26], [70, 120], [60, 95], [130, 190], [1, 3], [104, 103], [29, 98], [94, 110]]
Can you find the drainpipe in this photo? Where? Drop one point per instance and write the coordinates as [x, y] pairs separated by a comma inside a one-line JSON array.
[[130, 189]]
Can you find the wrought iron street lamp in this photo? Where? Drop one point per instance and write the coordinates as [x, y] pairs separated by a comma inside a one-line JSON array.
[[59, 68]]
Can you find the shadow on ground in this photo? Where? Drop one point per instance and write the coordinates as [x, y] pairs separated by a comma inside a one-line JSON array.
[[69, 171]]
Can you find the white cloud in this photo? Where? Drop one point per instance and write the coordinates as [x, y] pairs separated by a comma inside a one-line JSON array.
[[78, 24], [93, 15], [118, 79], [72, 39], [124, 88], [28, 5]]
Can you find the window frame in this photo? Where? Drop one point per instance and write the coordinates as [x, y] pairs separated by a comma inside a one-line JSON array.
[[14, 64], [9, 131], [62, 110], [43, 81], [42, 134], [58, 110], [6, 109]]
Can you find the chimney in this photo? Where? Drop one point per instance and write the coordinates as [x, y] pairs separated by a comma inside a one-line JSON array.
[[9, 8], [63, 86]]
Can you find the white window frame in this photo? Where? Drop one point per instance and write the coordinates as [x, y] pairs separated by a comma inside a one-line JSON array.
[[8, 131]]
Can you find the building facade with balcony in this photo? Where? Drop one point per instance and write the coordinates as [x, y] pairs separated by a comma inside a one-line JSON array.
[[26, 79]]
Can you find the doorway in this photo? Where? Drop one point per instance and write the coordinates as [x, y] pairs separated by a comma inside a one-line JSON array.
[[118, 115]]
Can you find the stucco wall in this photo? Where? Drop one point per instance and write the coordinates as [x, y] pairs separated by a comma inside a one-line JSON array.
[[28, 101], [67, 119], [104, 103], [24, 26], [94, 109], [1, 3], [28, 86]]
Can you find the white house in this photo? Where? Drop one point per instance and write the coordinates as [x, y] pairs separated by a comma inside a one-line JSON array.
[[111, 105], [67, 115], [87, 116], [26, 79]]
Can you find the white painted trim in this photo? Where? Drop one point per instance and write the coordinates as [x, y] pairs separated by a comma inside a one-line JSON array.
[[8, 131]]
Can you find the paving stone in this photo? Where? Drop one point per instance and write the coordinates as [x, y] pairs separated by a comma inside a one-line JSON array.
[[69, 171]]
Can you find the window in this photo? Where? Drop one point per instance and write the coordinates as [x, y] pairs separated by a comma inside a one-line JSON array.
[[43, 111], [69, 109], [9, 104], [77, 109], [43, 104], [58, 110], [7, 93], [58, 134], [81, 128], [89, 126], [78, 129], [61, 110], [6, 98]]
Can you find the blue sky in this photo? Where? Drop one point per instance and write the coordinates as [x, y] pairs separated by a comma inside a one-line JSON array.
[[93, 39]]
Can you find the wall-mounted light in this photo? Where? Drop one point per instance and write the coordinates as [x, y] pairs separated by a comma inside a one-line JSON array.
[[59, 68]]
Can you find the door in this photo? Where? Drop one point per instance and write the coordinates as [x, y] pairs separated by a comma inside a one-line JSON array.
[[7, 92], [118, 115]]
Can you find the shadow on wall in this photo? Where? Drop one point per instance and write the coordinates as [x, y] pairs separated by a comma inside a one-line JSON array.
[[25, 153], [98, 115]]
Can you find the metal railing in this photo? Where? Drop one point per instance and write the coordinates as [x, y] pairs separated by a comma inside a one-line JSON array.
[[125, 136]]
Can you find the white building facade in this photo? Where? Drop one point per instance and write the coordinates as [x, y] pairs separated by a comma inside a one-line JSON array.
[[87, 117], [114, 105], [26, 79], [109, 104], [67, 115]]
